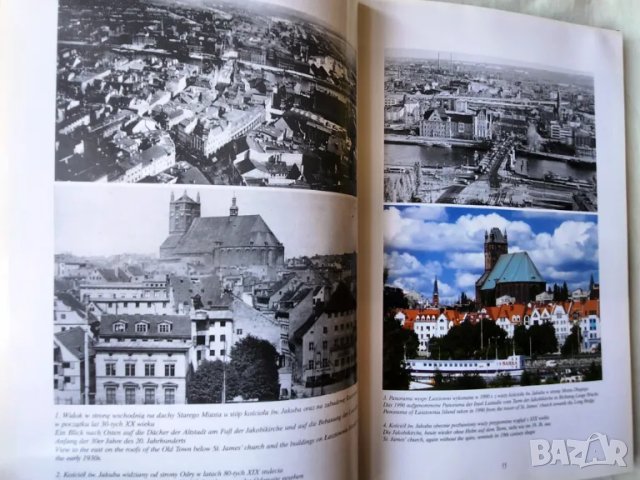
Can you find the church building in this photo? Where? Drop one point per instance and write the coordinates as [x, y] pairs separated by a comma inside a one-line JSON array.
[[512, 274], [230, 241]]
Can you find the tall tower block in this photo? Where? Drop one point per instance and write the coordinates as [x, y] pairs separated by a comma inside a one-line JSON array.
[[495, 244], [182, 212]]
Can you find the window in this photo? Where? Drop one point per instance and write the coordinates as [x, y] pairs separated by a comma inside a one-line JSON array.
[[223, 352], [310, 364], [149, 370], [223, 338], [239, 331], [130, 369], [63, 316], [325, 344], [164, 328], [325, 330], [312, 346], [110, 369], [325, 362], [66, 364], [130, 395], [142, 327], [119, 327], [212, 353], [223, 323], [67, 379], [137, 304], [149, 396], [169, 396], [111, 395], [170, 370]]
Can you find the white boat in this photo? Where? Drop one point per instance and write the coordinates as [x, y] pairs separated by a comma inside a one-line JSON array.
[[423, 370]]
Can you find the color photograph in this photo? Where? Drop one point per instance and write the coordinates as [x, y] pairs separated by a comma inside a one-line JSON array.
[[477, 298]]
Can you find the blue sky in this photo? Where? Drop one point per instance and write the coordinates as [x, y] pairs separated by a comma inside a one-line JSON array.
[[422, 241]]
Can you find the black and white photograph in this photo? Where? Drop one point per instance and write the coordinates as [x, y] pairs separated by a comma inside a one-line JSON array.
[[173, 296], [216, 92], [469, 130]]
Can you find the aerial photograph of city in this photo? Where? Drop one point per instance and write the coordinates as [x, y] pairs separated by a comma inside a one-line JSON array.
[[480, 131], [203, 92], [514, 301], [211, 296]]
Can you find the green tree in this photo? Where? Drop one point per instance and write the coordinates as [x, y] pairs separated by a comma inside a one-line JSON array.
[[572, 343], [529, 378], [205, 384], [521, 340], [502, 380], [594, 373], [397, 344], [254, 363], [543, 338], [463, 341]]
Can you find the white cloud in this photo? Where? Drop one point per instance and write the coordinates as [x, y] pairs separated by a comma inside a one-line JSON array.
[[426, 213], [473, 261], [568, 253], [571, 242], [465, 234], [466, 279]]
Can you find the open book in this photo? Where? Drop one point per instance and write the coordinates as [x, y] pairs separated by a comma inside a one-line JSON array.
[[233, 254]]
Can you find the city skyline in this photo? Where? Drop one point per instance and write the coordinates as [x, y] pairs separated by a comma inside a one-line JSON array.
[[210, 93], [90, 219], [425, 242], [501, 62], [489, 132]]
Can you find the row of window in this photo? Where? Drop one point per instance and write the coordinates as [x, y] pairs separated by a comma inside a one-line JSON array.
[[324, 363], [337, 342], [142, 327], [136, 304], [145, 294], [202, 339], [340, 314], [149, 395], [149, 370]]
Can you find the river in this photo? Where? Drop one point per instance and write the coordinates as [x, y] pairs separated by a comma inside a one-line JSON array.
[[403, 154]]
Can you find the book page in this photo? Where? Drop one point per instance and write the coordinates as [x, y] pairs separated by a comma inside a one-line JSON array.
[[192, 254], [504, 327]]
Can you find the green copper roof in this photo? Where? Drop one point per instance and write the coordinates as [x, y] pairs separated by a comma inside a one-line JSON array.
[[512, 267]]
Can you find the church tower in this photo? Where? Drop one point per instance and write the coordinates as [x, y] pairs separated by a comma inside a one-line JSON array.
[[233, 210], [182, 213], [495, 244], [435, 300]]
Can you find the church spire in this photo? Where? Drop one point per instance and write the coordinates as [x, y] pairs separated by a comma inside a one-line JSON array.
[[233, 211], [436, 299]]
